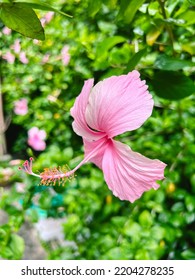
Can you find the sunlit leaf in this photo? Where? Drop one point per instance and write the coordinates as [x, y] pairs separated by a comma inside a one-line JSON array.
[[128, 9], [188, 17], [135, 60], [145, 219], [153, 8], [22, 19], [172, 85], [189, 47], [142, 254], [40, 5], [17, 246], [172, 6], [108, 43], [153, 34], [111, 3], [184, 7], [94, 7]]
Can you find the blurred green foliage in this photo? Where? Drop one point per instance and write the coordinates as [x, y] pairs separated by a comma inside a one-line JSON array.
[[104, 38], [20, 16]]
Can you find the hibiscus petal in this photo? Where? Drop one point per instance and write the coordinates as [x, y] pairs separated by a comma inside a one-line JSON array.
[[128, 174], [90, 147], [78, 113], [94, 152], [119, 104]]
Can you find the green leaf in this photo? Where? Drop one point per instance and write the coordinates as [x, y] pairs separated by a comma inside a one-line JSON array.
[[153, 8], [108, 43], [22, 19], [3, 234], [40, 5], [191, 2], [165, 62], [172, 85], [114, 254], [7, 253], [132, 229], [189, 47], [142, 254], [111, 3], [145, 219], [154, 32], [188, 17], [102, 51], [190, 203], [177, 207], [94, 7], [17, 246], [184, 7], [188, 254], [128, 9], [135, 60]]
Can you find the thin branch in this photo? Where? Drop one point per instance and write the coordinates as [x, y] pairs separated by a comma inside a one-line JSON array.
[[168, 27], [3, 148]]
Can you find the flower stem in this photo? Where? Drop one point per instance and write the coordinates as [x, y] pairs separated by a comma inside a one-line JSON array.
[[60, 174], [3, 148]]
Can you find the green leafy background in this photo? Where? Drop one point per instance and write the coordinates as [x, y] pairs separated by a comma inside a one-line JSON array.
[[105, 38]]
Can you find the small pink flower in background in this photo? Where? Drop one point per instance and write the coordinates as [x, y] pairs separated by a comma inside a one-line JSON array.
[[23, 58], [101, 112], [47, 18], [20, 187], [16, 46], [65, 56], [45, 58], [6, 30], [21, 107], [17, 49], [9, 57], [36, 139], [7, 173], [35, 41], [42, 20]]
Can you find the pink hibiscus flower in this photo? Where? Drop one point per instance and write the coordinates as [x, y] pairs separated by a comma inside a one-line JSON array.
[[113, 106], [23, 58], [9, 57], [45, 59], [21, 107], [36, 139], [16, 46], [47, 18], [6, 30], [65, 56]]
